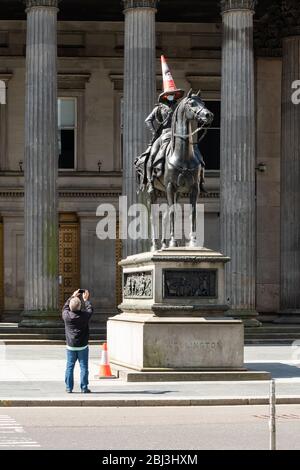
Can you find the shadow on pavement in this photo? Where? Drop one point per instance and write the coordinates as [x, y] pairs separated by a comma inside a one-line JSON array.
[[128, 392], [278, 370]]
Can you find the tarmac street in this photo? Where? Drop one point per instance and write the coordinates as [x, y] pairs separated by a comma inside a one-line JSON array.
[[230, 427]]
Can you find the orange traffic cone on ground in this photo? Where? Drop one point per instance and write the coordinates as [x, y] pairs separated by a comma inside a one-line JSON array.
[[105, 371]]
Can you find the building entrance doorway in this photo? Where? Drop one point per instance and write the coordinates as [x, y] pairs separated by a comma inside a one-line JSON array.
[[69, 255]]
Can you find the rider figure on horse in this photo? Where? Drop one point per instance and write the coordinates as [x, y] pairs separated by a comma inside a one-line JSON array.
[[159, 123], [150, 165]]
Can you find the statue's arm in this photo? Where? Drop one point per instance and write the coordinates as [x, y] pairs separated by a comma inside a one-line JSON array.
[[149, 121]]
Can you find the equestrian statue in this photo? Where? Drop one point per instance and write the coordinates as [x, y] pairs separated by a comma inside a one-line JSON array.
[[172, 163]]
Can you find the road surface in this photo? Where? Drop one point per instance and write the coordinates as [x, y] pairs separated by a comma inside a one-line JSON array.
[[235, 427]]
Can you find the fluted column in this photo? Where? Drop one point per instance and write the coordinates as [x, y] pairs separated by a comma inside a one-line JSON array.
[[290, 168], [238, 157], [41, 160], [139, 95]]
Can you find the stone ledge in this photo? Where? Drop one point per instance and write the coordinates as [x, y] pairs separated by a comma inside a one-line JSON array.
[[182, 254], [204, 401], [129, 375], [148, 318]]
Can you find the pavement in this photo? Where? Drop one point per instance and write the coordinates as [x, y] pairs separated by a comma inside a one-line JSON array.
[[34, 376]]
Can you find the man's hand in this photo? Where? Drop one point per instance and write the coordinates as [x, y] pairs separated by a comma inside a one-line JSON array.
[[76, 293], [86, 295]]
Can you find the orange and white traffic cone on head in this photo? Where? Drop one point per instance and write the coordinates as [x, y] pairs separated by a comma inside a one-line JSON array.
[[105, 370], [168, 83]]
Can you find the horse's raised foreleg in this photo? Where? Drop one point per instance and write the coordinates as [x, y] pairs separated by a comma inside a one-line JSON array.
[[171, 198], [193, 217]]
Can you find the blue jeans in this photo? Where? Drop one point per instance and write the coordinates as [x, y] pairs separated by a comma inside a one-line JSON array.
[[83, 359]]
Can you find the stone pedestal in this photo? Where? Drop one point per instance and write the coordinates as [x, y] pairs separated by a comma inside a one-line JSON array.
[[151, 343], [173, 318]]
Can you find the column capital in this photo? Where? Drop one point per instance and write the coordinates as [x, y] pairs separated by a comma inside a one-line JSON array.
[[229, 5], [41, 3], [131, 4]]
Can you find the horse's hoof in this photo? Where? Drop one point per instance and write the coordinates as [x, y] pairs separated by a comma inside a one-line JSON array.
[[164, 245], [192, 243], [154, 247]]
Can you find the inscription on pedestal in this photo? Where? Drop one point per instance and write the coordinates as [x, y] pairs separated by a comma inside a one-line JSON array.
[[174, 344], [138, 285], [190, 283]]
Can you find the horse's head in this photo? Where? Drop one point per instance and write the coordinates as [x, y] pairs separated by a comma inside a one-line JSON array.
[[195, 109]]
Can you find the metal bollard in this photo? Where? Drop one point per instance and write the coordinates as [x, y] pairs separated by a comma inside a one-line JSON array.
[[272, 421]]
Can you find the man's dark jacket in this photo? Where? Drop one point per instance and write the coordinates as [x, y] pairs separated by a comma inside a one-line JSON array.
[[77, 324]]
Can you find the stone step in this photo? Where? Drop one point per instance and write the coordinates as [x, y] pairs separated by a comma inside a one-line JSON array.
[[273, 335], [270, 342], [33, 342], [277, 329], [13, 330], [38, 336]]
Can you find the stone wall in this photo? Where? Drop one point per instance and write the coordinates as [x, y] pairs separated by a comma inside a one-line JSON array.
[[91, 66]]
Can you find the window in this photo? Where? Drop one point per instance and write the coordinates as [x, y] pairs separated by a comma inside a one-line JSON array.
[[210, 145], [121, 130], [67, 132]]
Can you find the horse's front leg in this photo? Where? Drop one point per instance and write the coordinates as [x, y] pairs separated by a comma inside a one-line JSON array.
[[193, 217], [154, 222], [171, 197], [164, 242]]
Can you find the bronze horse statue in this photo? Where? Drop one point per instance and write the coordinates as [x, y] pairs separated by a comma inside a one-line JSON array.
[[182, 168]]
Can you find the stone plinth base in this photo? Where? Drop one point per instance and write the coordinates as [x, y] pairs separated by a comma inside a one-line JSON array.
[[130, 375], [145, 342], [173, 325]]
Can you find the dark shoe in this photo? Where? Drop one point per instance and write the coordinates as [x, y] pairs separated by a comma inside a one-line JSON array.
[[68, 391], [85, 390]]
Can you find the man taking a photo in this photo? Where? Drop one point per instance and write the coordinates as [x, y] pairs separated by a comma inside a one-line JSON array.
[[76, 314]]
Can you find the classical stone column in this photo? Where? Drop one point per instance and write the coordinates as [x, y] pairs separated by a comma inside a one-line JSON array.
[[290, 168], [238, 157], [4, 79], [139, 95], [41, 161]]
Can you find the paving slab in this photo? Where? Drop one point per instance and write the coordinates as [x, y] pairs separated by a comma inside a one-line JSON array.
[[34, 376]]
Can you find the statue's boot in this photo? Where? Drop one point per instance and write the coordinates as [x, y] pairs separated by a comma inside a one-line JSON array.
[[150, 187], [202, 188]]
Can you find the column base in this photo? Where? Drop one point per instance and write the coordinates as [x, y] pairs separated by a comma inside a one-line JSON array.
[[288, 317], [41, 319], [248, 317]]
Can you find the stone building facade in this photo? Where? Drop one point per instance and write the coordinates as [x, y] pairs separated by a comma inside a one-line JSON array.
[[99, 66]]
